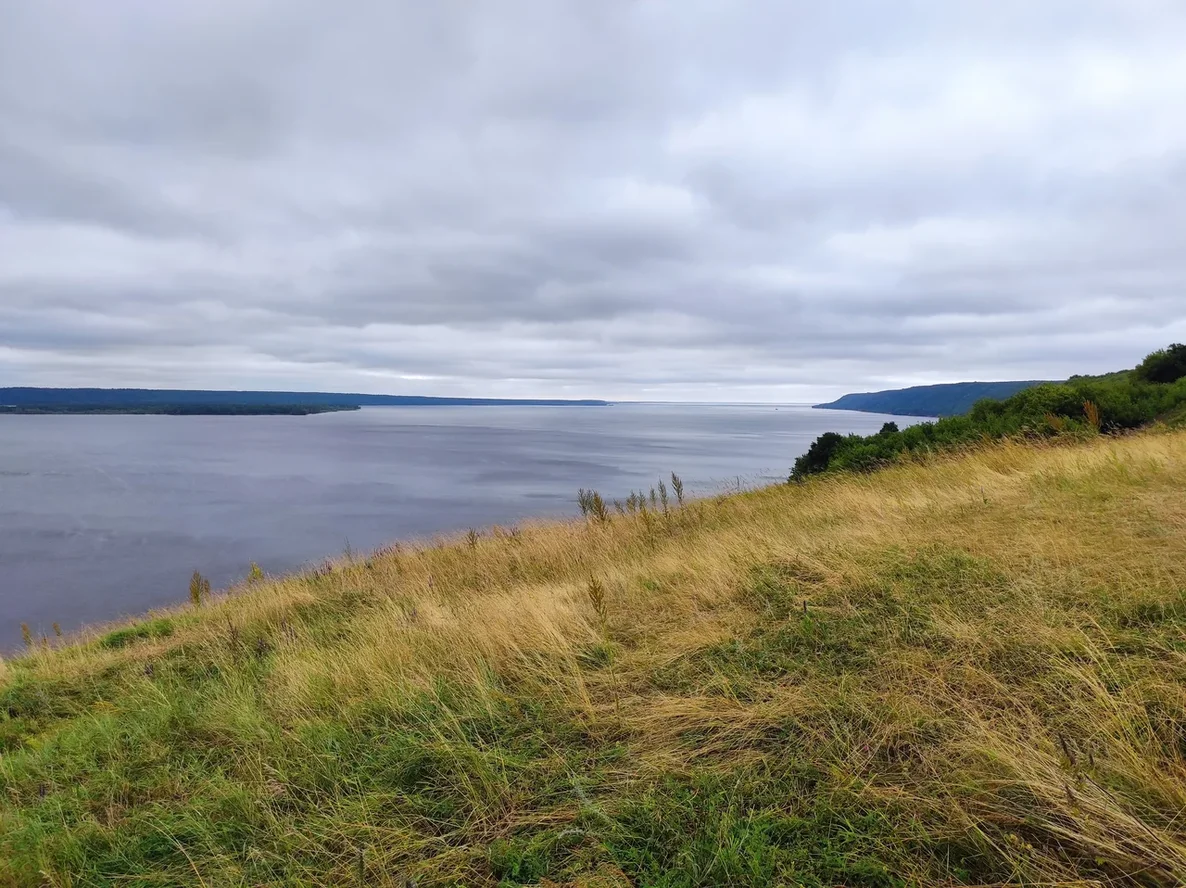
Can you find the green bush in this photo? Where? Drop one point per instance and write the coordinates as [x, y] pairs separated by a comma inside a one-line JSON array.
[[1164, 365], [819, 454]]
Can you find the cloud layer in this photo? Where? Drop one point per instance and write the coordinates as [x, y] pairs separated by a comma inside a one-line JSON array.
[[651, 199]]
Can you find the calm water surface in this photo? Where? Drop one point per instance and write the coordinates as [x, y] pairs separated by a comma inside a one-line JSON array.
[[102, 516]]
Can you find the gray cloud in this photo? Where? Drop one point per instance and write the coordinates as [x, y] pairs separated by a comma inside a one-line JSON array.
[[700, 199]]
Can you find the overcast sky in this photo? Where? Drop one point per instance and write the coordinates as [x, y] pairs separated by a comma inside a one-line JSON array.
[[691, 200]]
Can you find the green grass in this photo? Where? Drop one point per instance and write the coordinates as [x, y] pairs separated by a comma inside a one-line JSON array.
[[968, 672], [159, 628]]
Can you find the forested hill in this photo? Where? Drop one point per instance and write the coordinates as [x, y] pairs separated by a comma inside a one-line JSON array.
[[1152, 392], [947, 399], [90, 399]]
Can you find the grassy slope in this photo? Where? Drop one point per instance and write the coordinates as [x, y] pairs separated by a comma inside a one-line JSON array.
[[966, 672]]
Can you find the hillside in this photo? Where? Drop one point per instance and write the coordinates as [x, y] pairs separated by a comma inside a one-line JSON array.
[[1152, 392], [947, 399], [961, 670]]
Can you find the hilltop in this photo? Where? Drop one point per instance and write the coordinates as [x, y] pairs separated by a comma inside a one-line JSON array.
[[959, 670]]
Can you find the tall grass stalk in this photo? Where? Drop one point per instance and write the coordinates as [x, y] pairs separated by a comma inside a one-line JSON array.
[[199, 589]]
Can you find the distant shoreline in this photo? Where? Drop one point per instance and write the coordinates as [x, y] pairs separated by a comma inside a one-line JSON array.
[[944, 399], [173, 409], [207, 402]]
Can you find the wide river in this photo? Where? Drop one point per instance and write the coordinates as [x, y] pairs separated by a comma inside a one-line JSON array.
[[103, 516]]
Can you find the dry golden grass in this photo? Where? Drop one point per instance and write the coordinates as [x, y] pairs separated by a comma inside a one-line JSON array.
[[965, 671]]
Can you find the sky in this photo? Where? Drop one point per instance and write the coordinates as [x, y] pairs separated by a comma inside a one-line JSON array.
[[655, 200]]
